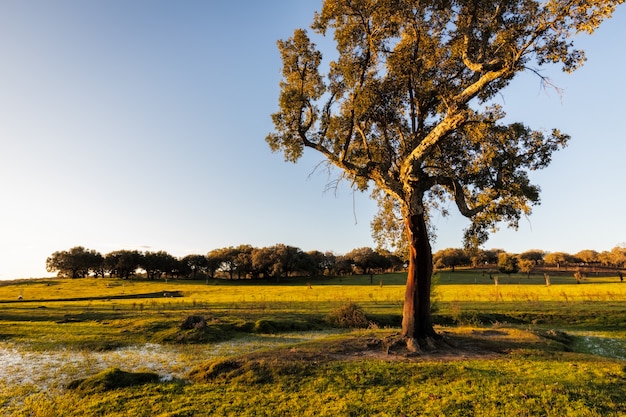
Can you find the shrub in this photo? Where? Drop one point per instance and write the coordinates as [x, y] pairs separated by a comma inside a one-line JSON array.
[[348, 315]]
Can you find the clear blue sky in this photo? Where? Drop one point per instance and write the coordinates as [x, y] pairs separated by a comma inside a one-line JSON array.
[[140, 124]]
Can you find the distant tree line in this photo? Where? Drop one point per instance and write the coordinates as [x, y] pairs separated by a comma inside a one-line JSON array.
[[525, 262], [241, 262], [282, 261]]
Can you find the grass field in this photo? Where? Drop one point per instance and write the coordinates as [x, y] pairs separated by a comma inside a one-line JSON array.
[[520, 348]]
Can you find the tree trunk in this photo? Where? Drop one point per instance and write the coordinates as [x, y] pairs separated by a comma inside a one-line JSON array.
[[416, 320]]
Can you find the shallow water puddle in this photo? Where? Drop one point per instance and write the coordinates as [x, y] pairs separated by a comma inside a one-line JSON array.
[[599, 344], [50, 369]]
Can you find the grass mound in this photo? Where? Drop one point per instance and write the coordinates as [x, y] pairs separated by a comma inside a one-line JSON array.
[[252, 370], [112, 379]]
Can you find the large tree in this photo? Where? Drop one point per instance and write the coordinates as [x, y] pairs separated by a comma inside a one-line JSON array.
[[406, 107]]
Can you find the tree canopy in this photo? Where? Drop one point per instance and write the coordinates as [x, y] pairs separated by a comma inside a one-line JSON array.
[[407, 107]]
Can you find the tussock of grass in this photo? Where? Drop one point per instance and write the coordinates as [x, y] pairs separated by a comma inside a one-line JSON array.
[[214, 369], [111, 379], [249, 372], [274, 325]]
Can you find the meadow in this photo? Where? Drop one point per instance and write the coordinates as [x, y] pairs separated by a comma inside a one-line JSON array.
[[108, 347]]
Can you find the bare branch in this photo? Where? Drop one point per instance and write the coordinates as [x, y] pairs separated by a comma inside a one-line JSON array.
[[546, 83]]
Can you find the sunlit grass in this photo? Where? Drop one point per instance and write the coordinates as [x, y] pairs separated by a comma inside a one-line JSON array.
[[46, 316], [387, 288], [77, 328], [568, 386]]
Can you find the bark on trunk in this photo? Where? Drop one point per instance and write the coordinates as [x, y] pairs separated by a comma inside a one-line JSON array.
[[416, 319]]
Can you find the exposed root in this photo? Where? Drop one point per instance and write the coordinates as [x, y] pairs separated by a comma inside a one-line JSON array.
[[412, 345], [399, 345]]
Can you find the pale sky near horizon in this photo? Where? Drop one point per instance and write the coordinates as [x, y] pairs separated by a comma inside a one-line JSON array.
[[140, 124]]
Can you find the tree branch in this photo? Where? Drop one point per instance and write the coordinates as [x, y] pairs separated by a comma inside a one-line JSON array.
[[456, 188], [447, 125]]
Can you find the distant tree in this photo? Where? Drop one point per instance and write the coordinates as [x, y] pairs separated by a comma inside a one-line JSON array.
[[492, 255], [526, 266], [477, 257], [215, 258], [366, 259], [343, 265], [151, 263], [99, 267], [393, 260], [535, 255], [304, 264], [94, 262], [618, 256], [406, 107], [330, 259], [319, 263], [450, 258], [123, 263], [557, 258], [177, 268], [74, 263], [529, 259], [183, 270], [280, 261], [604, 258], [197, 265], [290, 259], [158, 263], [243, 260], [263, 262], [214, 262], [587, 256], [507, 264], [227, 258]]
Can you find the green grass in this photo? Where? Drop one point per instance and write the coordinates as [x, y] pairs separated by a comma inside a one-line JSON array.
[[518, 349], [560, 385]]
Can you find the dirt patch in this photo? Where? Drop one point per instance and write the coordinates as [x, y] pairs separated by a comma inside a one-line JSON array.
[[450, 347], [454, 345], [270, 365]]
